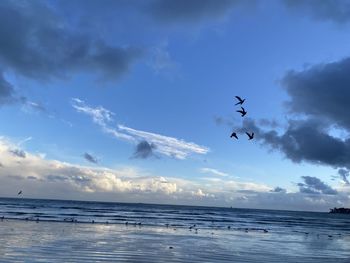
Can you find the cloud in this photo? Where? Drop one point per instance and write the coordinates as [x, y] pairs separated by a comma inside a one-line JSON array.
[[182, 11], [46, 45], [344, 174], [305, 140], [31, 105], [313, 185], [8, 95], [165, 145], [213, 171], [337, 11], [161, 60], [162, 12], [168, 146], [319, 106], [144, 150], [88, 157], [278, 190], [100, 116], [268, 123], [318, 126], [317, 130], [18, 153], [43, 178], [320, 91], [294, 201], [6, 91], [78, 178], [56, 178]]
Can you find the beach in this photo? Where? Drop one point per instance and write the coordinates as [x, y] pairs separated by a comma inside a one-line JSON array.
[[32, 241]]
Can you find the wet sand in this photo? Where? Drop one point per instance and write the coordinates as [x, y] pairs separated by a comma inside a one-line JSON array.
[[29, 241]]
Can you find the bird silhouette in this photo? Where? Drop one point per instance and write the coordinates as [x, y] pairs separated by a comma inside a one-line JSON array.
[[242, 111], [251, 136], [234, 135], [240, 100], [20, 192]]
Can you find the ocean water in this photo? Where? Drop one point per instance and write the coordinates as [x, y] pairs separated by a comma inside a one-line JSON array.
[[40, 230]]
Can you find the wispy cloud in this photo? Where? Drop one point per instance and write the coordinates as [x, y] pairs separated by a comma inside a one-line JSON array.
[[213, 171], [166, 145], [169, 146], [100, 116], [162, 62]]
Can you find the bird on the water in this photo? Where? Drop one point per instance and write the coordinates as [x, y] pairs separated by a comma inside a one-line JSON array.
[[240, 100], [242, 111]]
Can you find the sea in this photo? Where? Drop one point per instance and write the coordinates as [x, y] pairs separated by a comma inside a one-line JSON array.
[[229, 234]]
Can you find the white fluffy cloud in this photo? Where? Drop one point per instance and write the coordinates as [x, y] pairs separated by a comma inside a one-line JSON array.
[[39, 177], [80, 178]]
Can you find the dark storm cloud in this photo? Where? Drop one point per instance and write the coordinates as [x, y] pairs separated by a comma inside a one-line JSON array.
[[344, 174], [319, 102], [313, 185], [37, 43], [88, 157], [144, 150], [304, 140], [18, 153], [332, 10], [321, 91], [161, 11], [189, 11]]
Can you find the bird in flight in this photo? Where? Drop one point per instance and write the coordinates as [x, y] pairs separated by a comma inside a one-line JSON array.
[[234, 135], [251, 136], [242, 111], [240, 100], [20, 192]]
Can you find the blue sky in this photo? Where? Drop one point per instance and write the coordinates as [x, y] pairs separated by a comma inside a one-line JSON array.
[[146, 92]]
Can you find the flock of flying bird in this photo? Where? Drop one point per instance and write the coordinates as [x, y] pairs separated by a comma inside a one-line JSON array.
[[243, 112]]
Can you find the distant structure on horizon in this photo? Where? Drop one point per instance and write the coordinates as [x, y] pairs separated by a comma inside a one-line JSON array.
[[340, 210]]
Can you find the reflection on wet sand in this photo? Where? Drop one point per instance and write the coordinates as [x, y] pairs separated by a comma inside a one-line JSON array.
[[77, 242]]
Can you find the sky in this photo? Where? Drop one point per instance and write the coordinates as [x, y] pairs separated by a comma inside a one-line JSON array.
[[134, 101]]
